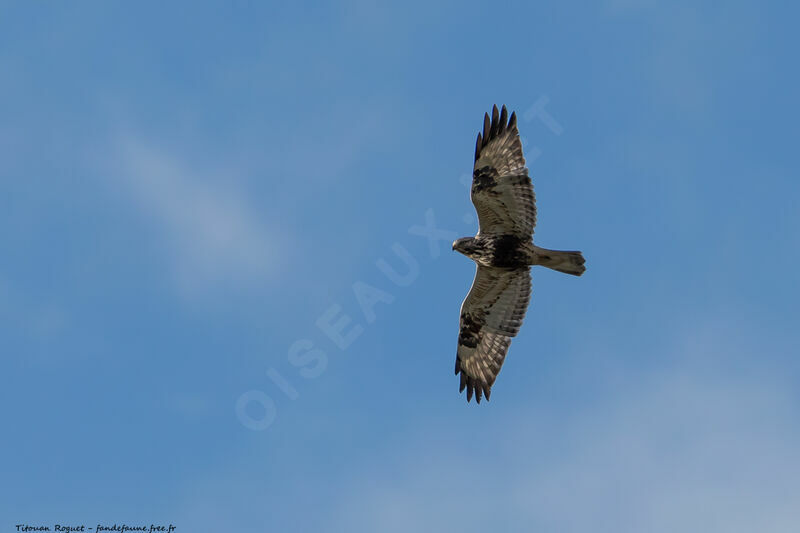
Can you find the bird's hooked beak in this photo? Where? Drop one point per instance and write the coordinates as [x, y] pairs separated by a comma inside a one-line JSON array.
[[454, 245]]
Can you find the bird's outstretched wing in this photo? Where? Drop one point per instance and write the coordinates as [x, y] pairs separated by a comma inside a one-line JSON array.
[[491, 315], [501, 188]]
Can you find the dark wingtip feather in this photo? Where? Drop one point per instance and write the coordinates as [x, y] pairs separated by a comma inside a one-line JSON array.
[[495, 121], [497, 124], [474, 387]]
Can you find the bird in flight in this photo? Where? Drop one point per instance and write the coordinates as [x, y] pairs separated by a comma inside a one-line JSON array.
[[503, 250]]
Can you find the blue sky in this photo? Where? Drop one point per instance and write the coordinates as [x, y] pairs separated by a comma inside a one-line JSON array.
[[186, 190]]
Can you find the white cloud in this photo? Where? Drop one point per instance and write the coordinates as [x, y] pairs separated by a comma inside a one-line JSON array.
[[708, 443], [215, 234], [694, 449], [687, 456]]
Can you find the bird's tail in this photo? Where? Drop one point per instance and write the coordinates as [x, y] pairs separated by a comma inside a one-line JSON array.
[[566, 262]]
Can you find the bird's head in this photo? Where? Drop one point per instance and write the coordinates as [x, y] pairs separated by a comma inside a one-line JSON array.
[[465, 245]]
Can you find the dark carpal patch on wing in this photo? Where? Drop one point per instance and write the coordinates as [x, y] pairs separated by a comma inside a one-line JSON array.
[[470, 331], [508, 252], [501, 188], [484, 179]]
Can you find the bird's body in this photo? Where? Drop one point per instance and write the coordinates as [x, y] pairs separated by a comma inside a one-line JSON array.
[[503, 250], [499, 251]]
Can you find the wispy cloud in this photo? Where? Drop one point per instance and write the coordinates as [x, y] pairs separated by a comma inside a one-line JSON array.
[[686, 450], [214, 233], [697, 446]]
